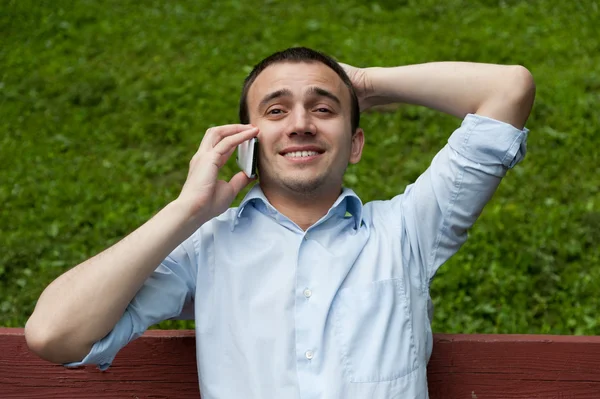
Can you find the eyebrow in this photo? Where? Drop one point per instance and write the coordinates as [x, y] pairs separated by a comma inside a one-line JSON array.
[[313, 90], [272, 96]]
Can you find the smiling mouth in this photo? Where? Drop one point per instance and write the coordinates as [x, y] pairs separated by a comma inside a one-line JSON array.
[[300, 154]]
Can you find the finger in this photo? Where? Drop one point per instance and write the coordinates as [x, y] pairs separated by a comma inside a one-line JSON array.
[[221, 159], [230, 142], [218, 159], [220, 154], [239, 181], [218, 133], [212, 135]]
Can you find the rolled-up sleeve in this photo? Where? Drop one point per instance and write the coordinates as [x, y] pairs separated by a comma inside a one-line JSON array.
[[445, 201], [167, 294]]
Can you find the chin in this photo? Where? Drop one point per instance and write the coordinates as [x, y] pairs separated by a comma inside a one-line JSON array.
[[311, 185], [302, 182]]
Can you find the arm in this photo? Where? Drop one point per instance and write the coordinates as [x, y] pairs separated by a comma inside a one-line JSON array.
[[501, 92], [83, 305], [445, 201]]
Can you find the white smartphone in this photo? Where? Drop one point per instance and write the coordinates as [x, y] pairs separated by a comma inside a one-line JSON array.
[[246, 157]]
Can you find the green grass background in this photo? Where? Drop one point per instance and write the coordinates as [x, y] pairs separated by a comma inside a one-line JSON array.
[[103, 103]]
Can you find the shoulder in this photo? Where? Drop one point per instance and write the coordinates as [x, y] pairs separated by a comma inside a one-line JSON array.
[[385, 212]]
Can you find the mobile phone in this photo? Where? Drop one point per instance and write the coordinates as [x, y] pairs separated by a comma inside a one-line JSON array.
[[247, 153]]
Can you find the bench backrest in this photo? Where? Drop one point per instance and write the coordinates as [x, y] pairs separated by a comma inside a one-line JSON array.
[[162, 364]]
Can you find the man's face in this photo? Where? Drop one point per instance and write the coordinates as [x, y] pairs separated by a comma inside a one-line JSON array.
[[303, 114]]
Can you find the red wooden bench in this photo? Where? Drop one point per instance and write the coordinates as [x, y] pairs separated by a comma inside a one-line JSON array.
[[162, 364]]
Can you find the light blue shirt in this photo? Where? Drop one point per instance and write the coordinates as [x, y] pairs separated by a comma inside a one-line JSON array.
[[341, 310]]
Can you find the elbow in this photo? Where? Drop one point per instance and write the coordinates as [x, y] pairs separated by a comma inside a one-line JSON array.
[[521, 95], [48, 345], [524, 87], [38, 340], [512, 98]]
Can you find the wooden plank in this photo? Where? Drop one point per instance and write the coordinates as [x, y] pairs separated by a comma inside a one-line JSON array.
[[162, 364], [514, 367]]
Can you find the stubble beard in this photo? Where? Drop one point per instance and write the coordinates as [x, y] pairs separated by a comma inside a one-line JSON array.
[[305, 187], [302, 185]]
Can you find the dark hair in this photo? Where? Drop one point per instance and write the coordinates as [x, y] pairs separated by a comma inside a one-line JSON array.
[[299, 54]]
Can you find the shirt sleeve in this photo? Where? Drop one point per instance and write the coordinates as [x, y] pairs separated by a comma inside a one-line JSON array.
[[445, 201], [167, 294]]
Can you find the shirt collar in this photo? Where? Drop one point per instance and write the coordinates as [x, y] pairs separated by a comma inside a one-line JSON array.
[[347, 203]]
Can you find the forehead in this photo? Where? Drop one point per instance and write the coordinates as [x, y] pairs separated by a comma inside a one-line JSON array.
[[295, 76]]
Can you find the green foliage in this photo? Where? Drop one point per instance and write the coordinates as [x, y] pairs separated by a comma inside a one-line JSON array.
[[102, 104]]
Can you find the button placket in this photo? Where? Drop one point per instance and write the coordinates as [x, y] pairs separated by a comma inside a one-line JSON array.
[[308, 309]]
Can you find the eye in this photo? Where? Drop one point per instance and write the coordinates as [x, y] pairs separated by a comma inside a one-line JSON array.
[[275, 111], [324, 110]]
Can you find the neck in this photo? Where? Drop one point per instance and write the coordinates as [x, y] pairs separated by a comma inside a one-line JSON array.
[[302, 209]]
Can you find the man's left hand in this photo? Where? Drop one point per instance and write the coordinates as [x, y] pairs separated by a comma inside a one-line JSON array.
[[362, 85]]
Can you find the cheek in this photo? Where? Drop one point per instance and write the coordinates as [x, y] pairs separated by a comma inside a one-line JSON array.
[[342, 127], [266, 141], [265, 138], [270, 132]]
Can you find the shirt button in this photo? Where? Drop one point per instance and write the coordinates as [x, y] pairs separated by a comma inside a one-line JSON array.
[[309, 355], [307, 293]]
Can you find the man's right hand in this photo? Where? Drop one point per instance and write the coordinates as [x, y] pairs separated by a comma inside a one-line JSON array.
[[203, 194], [85, 303]]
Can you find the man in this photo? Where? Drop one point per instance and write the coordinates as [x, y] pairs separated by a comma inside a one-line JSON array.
[[302, 291]]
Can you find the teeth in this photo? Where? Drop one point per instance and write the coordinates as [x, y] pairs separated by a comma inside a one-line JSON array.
[[297, 154]]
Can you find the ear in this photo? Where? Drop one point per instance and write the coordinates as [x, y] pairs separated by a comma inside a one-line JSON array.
[[358, 141]]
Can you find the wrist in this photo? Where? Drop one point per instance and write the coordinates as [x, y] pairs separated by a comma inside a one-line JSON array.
[[185, 214], [382, 80], [377, 87]]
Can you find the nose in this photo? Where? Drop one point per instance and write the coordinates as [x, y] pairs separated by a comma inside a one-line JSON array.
[[301, 123]]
